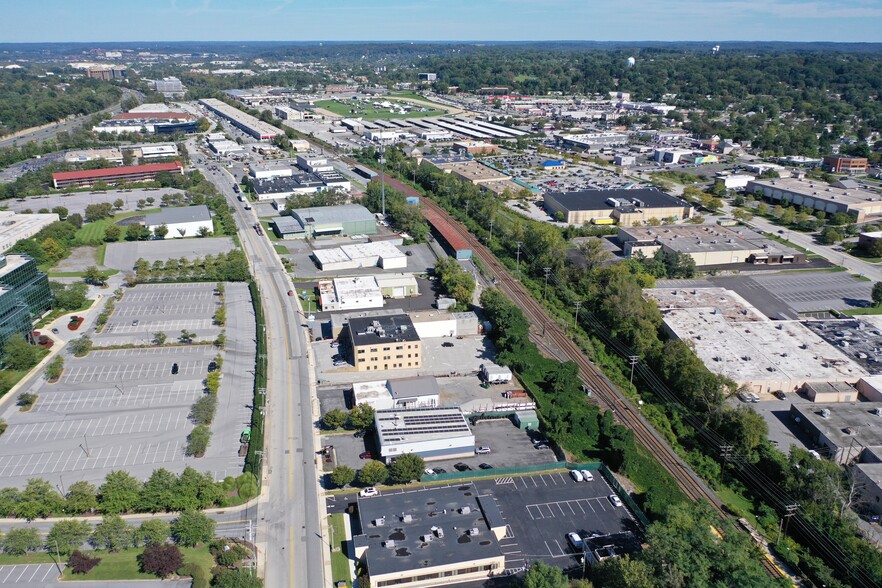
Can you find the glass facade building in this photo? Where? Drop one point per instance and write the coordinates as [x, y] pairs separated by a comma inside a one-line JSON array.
[[24, 295]]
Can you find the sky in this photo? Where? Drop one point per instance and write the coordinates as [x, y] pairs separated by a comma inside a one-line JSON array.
[[449, 20]]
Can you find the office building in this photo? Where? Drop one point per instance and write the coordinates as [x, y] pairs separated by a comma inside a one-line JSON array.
[[417, 392], [592, 141], [844, 164], [115, 175], [436, 537], [186, 221], [24, 295], [817, 195], [625, 207], [111, 154], [14, 227], [169, 87], [475, 147], [385, 343], [433, 433]]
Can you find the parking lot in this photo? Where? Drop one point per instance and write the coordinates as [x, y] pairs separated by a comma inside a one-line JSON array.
[[789, 295], [540, 510], [76, 202], [122, 256], [125, 409], [28, 574]]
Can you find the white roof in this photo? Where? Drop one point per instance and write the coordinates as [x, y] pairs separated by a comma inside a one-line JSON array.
[[393, 280], [382, 249]]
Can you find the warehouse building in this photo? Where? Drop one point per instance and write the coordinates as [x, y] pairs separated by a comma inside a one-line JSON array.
[[282, 187], [419, 392], [437, 323], [397, 285], [435, 537], [708, 245], [251, 125], [264, 171], [592, 141], [111, 154], [360, 255], [24, 295], [385, 342], [186, 221], [14, 227], [349, 294], [817, 195], [735, 340], [433, 433], [146, 152], [313, 163], [625, 207], [840, 431], [158, 123], [114, 175]]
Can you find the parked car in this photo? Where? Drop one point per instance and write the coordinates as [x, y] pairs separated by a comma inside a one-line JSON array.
[[780, 394], [339, 362], [540, 446], [485, 466], [212, 366], [359, 434], [615, 500], [575, 541], [335, 344], [174, 369], [428, 471], [135, 322], [366, 455], [55, 330], [589, 477], [290, 292], [461, 467], [483, 450], [447, 344], [440, 471], [576, 475], [370, 491]]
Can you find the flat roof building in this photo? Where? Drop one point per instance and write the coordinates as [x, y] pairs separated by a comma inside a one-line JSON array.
[[475, 147], [349, 294], [280, 187], [385, 343], [242, 120], [592, 141], [433, 433], [708, 245], [309, 223], [14, 227], [185, 221], [841, 431], [626, 207], [818, 195], [115, 175], [111, 154], [435, 537], [735, 340], [402, 393], [844, 164]]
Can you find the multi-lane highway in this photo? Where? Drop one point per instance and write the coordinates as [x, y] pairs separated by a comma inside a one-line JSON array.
[[290, 528]]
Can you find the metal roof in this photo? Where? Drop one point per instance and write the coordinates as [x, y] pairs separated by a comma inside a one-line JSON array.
[[110, 172], [345, 213], [184, 214], [446, 230]]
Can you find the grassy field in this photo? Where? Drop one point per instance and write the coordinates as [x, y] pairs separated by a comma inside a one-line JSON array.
[[863, 311], [281, 249], [39, 557], [339, 561], [269, 232], [368, 111], [123, 565], [92, 233], [52, 274]]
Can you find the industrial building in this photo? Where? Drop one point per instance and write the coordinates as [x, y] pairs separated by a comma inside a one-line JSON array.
[[592, 141], [111, 154], [844, 164], [735, 181], [437, 323], [114, 175], [433, 433], [360, 255], [162, 122], [349, 294], [735, 340], [397, 285], [251, 125], [155, 151], [435, 537], [186, 221], [708, 245], [841, 431], [282, 187], [451, 236], [475, 147], [671, 156], [385, 342], [310, 223], [24, 295], [14, 227], [625, 207], [419, 392], [272, 169], [817, 195], [314, 163], [858, 338]]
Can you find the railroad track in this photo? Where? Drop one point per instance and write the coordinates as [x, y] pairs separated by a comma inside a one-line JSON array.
[[552, 340]]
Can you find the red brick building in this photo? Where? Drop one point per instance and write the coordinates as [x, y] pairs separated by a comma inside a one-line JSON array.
[[114, 175], [844, 164]]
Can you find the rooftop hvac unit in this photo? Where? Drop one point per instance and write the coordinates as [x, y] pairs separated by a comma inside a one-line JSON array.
[[465, 510], [825, 413], [380, 522], [406, 518], [439, 532], [390, 544], [474, 531]]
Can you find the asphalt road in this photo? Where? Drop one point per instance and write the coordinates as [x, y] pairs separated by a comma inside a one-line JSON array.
[[290, 529], [41, 135]]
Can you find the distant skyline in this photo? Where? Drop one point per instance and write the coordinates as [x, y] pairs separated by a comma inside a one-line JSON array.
[[448, 20]]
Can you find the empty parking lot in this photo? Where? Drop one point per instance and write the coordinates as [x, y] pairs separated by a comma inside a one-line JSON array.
[[125, 409]]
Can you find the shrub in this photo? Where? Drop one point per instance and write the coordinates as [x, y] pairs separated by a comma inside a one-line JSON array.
[[230, 557], [80, 563], [26, 401], [197, 441], [201, 579], [203, 410], [161, 559], [342, 475]]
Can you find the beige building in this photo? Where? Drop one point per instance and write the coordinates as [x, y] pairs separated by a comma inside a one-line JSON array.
[[625, 207], [819, 195], [385, 343]]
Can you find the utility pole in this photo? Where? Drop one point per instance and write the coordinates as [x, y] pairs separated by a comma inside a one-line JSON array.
[[491, 231], [547, 271], [577, 303], [518, 259], [383, 179], [789, 511], [633, 359]]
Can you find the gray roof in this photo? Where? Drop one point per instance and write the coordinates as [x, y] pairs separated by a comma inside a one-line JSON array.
[[381, 329], [436, 507], [286, 183], [184, 214], [596, 199], [413, 387], [345, 213], [287, 225]]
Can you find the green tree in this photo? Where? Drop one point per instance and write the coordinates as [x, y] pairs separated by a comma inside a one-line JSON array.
[[157, 495], [118, 203], [407, 467], [112, 233], [54, 369], [240, 578], [203, 231], [877, 294], [113, 533], [186, 336], [204, 409], [119, 493], [372, 473], [197, 441], [68, 535], [20, 355], [361, 416], [624, 572], [81, 498], [38, 500], [93, 275], [192, 528], [22, 540], [220, 316], [153, 532], [194, 490], [80, 346], [159, 338], [342, 475], [61, 212], [334, 419], [541, 575], [161, 231], [71, 296], [874, 248]]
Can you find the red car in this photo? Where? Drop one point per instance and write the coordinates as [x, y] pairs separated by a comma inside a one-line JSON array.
[[366, 455]]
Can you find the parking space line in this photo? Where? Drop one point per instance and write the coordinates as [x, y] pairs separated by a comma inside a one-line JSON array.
[[11, 569], [48, 571], [36, 569]]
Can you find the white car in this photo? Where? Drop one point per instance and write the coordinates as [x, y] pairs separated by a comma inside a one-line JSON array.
[[575, 541], [615, 500], [428, 471], [576, 475], [366, 492], [483, 450], [589, 477]]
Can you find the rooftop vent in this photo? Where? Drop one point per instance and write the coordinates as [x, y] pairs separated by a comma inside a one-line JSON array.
[[406, 518], [825, 413], [380, 522], [390, 544], [465, 510]]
